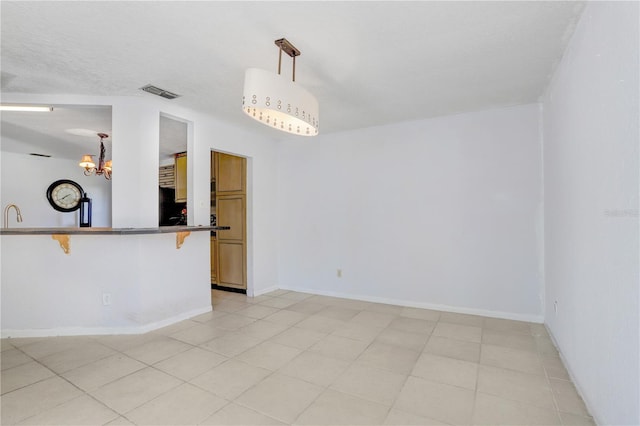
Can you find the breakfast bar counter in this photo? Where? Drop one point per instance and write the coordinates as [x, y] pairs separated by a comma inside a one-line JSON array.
[[87, 281], [108, 231]]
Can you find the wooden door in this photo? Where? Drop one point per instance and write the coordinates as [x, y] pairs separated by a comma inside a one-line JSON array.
[[230, 207]]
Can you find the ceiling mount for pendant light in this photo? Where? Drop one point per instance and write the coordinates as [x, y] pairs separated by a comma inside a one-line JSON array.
[[284, 105], [104, 168]]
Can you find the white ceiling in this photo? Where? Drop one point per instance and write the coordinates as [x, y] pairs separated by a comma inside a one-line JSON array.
[[71, 131], [368, 63], [68, 131]]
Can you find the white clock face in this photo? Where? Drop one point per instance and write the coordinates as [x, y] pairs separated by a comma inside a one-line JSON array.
[[66, 196]]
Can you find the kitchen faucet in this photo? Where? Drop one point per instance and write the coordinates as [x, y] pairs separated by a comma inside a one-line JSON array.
[[6, 214]]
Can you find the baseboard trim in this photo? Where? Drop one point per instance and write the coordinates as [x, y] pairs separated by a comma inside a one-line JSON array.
[[412, 304], [576, 383], [96, 331], [266, 290]]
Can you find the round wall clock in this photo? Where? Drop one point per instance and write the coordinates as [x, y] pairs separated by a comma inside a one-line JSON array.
[[64, 195]]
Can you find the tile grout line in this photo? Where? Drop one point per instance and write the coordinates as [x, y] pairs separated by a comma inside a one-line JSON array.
[[327, 387], [79, 396], [190, 346], [395, 400], [475, 392]]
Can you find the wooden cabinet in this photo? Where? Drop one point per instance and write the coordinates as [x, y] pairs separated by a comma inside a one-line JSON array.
[[214, 260], [229, 174], [213, 166], [231, 260], [231, 212], [181, 177]]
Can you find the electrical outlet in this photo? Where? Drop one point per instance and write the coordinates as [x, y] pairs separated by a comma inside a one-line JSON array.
[[339, 273], [106, 299]]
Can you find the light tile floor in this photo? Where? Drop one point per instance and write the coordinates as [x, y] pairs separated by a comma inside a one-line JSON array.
[[295, 358]]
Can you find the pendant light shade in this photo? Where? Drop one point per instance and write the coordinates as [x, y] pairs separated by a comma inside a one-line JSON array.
[[285, 105], [276, 102], [87, 162]]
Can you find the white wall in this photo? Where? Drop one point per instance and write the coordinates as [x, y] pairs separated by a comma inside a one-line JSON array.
[[151, 273], [25, 180], [262, 192], [47, 292], [591, 210], [135, 145], [440, 213]]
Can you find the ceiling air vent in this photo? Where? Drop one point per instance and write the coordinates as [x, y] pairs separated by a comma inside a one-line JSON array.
[[160, 92], [39, 155]]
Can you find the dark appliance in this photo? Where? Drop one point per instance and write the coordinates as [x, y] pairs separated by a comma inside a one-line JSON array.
[[169, 211]]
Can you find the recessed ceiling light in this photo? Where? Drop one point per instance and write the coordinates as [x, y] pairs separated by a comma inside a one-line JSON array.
[[26, 108]]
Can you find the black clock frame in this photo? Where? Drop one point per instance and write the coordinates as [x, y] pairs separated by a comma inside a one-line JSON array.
[[58, 183]]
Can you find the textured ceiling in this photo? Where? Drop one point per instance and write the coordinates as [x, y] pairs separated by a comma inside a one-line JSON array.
[[368, 63]]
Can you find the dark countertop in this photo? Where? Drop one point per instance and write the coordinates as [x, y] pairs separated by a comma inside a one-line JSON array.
[[109, 231]]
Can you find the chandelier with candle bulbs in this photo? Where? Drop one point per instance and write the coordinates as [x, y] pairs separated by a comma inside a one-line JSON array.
[[104, 168]]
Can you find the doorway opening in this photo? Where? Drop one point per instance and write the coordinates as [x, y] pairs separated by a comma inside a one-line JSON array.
[[172, 174], [228, 207]]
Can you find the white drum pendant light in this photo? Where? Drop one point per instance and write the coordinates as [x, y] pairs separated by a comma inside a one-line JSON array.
[[276, 102]]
